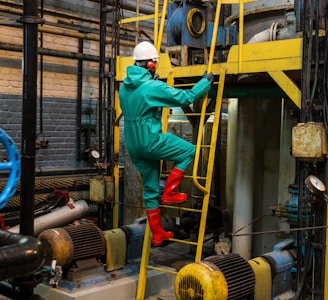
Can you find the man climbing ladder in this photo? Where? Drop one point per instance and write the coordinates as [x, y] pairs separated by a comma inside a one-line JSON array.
[[142, 98]]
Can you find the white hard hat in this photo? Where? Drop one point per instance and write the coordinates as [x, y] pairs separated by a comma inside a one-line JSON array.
[[145, 51]]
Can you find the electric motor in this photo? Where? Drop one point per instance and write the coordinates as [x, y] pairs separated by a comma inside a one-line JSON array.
[[217, 277], [72, 243]]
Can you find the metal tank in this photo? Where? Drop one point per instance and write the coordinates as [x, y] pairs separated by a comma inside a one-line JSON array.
[[266, 20]]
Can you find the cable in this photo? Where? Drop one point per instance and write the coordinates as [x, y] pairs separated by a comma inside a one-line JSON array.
[[307, 262], [316, 58]]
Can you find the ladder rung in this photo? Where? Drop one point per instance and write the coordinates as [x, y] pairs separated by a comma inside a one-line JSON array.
[[198, 177], [181, 208], [190, 177], [167, 174], [190, 114], [161, 269], [183, 242], [192, 84]]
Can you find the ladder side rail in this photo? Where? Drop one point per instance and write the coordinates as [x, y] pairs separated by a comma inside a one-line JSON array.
[[205, 98], [147, 235], [143, 264], [161, 27], [198, 145], [156, 13], [209, 173]]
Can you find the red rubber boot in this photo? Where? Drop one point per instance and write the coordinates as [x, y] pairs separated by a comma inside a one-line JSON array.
[[155, 224], [170, 195]]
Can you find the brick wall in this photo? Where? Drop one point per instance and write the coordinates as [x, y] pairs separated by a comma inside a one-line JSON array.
[[60, 78], [59, 88]]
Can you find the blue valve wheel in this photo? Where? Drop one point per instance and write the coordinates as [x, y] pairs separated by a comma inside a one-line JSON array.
[[13, 166]]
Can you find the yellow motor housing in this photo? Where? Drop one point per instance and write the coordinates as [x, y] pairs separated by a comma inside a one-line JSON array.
[[263, 278], [116, 246], [218, 277], [202, 280]]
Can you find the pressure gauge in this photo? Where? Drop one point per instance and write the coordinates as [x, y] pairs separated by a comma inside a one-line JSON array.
[[95, 154], [315, 185]]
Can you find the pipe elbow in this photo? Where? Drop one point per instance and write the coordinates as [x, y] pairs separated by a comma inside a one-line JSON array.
[[19, 255]]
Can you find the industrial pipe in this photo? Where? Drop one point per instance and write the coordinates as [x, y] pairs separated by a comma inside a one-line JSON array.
[[52, 52], [276, 32], [59, 217], [19, 255], [30, 22], [244, 178]]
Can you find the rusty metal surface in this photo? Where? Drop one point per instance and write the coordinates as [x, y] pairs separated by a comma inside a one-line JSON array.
[[260, 6], [309, 141]]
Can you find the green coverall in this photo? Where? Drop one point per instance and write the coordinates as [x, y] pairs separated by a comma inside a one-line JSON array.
[[142, 99]]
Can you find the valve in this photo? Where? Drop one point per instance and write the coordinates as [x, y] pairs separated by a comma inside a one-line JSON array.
[[12, 165]]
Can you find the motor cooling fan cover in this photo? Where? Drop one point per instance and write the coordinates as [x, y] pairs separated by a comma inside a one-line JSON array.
[[200, 281]]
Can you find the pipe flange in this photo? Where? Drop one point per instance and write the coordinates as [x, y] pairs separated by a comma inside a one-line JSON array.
[[195, 22]]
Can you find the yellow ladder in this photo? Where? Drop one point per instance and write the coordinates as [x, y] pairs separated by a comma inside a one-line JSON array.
[[206, 188]]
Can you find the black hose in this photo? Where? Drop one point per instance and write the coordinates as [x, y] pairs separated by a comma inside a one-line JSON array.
[[307, 260], [316, 58]]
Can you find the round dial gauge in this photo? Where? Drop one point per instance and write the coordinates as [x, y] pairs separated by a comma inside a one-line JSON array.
[[315, 185], [95, 154]]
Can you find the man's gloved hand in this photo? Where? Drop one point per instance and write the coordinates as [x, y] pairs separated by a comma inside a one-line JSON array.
[[209, 77]]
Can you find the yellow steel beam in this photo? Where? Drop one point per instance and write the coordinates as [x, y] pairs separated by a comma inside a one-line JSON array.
[[280, 55], [284, 55], [162, 25], [140, 18], [272, 57], [288, 86], [241, 36]]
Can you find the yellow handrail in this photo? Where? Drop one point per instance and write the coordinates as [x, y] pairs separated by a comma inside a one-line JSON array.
[[205, 98], [161, 28]]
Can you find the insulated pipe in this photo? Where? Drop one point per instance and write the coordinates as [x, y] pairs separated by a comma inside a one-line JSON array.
[[58, 217], [243, 190], [275, 32], [19, 255], [231, 159]]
